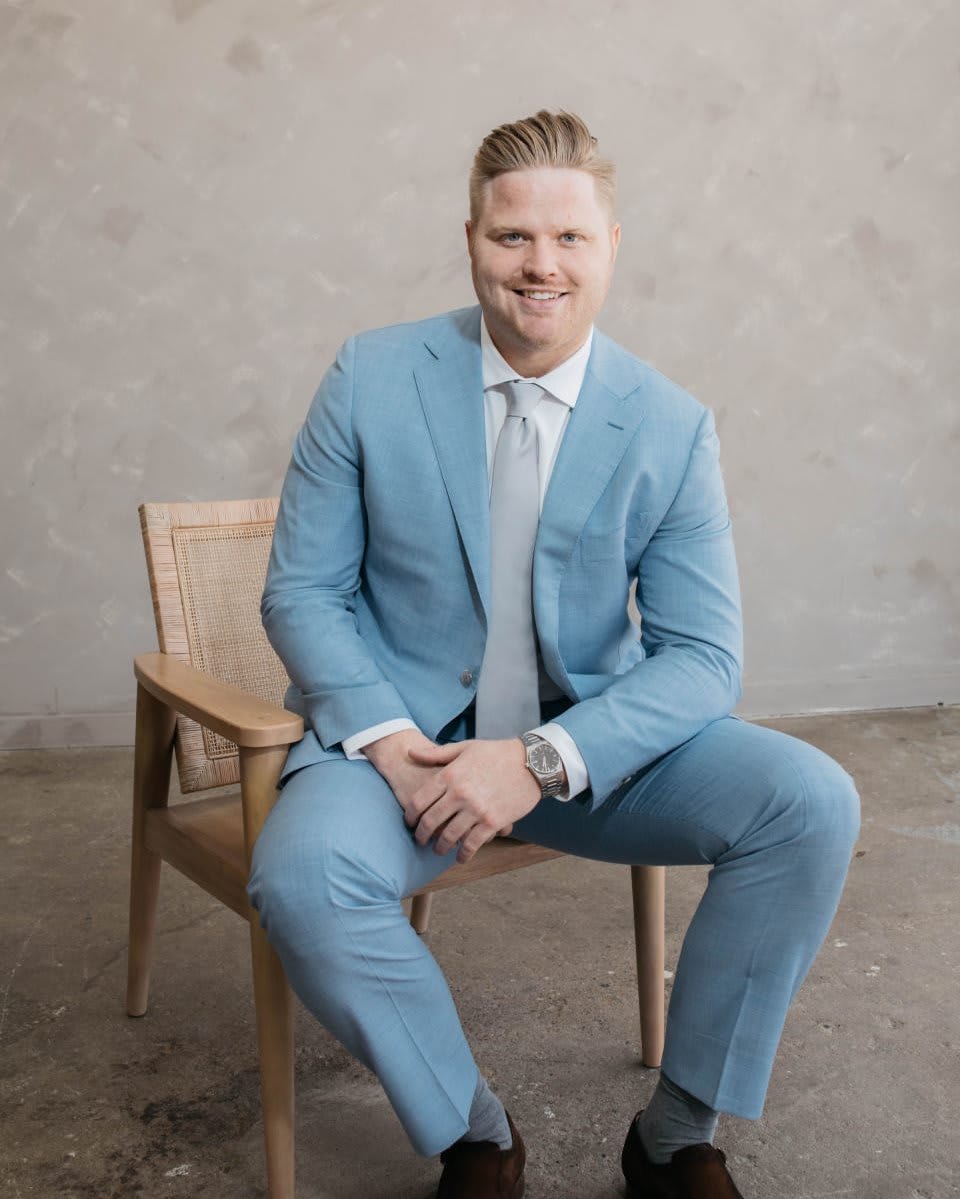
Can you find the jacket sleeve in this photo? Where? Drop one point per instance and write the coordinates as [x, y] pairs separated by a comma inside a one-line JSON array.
[[309, 601], [689, 600]]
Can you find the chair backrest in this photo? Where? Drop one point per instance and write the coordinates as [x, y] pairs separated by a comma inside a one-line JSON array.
[[207, 563]]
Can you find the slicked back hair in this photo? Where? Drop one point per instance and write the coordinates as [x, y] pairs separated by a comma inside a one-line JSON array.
[[549, 139]]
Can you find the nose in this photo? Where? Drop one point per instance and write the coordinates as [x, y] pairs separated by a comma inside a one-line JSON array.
[[540, 261]]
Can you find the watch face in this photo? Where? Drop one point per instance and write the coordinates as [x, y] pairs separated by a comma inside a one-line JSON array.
[[543, 758]]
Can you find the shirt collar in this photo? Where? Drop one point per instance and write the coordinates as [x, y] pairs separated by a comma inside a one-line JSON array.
[[563, 382]]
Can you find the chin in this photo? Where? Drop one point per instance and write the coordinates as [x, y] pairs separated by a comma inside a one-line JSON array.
[[539, 328], [530, 342]]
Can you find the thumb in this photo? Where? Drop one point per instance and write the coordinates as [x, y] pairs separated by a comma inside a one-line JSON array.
[[433, 755]]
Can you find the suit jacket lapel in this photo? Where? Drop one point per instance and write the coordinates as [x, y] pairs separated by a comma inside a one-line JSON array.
[[450, 384], [601, 428]]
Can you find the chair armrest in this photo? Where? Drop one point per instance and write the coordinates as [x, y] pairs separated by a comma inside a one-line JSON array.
[[237, 715]]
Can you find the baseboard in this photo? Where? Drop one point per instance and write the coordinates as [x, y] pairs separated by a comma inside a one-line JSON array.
[[795, 698], [67, 731], [807, 697]]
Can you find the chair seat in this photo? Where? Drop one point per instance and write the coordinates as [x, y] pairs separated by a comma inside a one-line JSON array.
[[203, 838]]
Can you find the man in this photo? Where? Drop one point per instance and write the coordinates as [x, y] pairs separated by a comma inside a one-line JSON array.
[[466, 507]]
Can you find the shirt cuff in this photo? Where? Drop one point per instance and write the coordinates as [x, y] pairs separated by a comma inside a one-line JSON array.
[[576, 769], [354, 745]]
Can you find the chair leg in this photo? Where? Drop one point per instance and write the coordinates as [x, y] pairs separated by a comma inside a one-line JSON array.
[[420, 912], [649, 896], [274, 1004], [259, 772], [156, 724]]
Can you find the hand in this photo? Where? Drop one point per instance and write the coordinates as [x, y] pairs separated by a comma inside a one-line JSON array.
[[391, 757], [479, 789]]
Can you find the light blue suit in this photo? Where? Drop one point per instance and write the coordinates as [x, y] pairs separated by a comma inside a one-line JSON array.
[[376, 601]]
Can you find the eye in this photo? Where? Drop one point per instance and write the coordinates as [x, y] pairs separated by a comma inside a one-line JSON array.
[[511, 239], [570, 239]]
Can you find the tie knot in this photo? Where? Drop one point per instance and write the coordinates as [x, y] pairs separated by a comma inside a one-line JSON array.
[[522, 397]]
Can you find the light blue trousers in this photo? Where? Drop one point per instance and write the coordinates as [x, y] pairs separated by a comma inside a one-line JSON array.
[[775, 818]]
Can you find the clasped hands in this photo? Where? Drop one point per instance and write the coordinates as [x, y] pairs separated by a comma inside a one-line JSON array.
[[467, 792]]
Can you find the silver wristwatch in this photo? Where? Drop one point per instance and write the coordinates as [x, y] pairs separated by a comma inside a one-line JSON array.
[[545, 764]]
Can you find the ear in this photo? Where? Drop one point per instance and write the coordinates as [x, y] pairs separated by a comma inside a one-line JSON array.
[[468, 229], [614, 241]]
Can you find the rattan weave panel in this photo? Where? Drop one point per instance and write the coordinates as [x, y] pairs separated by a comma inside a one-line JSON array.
[[222, 570]]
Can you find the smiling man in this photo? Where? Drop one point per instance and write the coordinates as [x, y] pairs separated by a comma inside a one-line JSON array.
[[468, 503]]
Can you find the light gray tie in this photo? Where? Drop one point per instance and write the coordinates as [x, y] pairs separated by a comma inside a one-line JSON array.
[[508, 700]]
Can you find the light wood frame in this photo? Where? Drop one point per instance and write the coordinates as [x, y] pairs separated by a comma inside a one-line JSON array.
[[211, 841]]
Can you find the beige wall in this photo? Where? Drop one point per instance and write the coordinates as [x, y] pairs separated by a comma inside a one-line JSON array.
[[200, 200]]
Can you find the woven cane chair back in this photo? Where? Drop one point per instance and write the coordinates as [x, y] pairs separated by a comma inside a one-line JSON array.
[[207, 563]]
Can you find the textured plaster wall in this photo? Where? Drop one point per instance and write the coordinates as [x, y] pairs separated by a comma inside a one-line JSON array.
[[199, 200]]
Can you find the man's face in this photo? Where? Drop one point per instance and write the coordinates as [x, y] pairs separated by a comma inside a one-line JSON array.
[[541, 252]]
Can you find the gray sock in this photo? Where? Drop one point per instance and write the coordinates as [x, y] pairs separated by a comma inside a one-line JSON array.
[[488, 1120], [672, 1120]]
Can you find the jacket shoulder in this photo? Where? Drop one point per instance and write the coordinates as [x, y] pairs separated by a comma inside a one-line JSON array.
[[640, 383], [462, 324]]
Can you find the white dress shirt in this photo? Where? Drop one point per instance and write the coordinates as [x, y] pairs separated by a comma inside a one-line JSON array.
[[561, 387]]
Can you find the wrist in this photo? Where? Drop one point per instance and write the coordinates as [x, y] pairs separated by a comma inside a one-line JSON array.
[[387, 752], [544, 763]]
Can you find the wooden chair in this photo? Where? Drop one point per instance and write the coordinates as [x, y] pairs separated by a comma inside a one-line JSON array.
[[214, 693]]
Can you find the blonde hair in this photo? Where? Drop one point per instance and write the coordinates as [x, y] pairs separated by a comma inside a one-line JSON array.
[[549, 139]]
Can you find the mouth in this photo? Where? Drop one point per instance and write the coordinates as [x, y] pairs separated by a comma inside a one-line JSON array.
[[539, 296]]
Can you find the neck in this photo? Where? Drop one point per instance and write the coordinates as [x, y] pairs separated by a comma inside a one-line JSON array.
[[532, 363]]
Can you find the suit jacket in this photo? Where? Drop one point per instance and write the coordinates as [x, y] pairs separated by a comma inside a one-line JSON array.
[[378, 587]]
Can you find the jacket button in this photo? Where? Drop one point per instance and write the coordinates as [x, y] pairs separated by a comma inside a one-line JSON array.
[[466, 677]]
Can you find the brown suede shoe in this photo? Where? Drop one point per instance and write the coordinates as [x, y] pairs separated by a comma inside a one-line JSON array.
[[481, 1170], [697, 1172]]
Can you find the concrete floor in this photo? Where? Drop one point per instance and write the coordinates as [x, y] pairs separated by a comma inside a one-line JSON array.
[[864, 1100]]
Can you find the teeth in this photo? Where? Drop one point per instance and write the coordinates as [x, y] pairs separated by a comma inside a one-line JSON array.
[[542, 295]]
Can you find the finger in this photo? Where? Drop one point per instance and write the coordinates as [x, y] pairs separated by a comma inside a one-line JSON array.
[[453, 831], [433, 819], [422, 799], [434, 755], [474, 840], [505, 831]]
